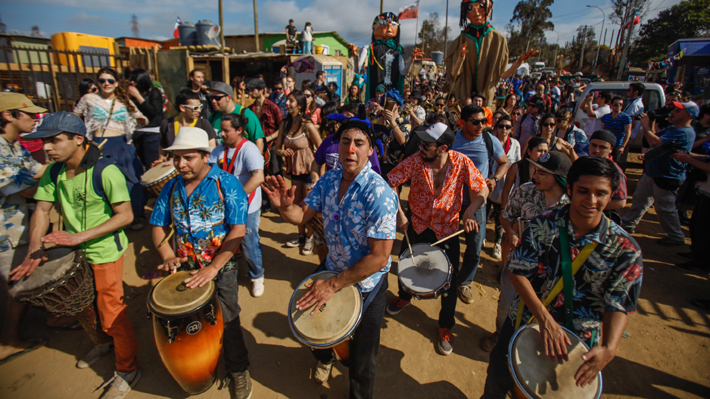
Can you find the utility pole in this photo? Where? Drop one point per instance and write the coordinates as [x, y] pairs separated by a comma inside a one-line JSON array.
[[134, 26], [221, 26], [382, 6], [581, 59], [622, 65], [446, 32], [603, 20], [256, 28], [554, 61]]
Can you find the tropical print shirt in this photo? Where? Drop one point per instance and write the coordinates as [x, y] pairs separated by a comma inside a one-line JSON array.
[[16, 170], [441, 213], [609, 280], [203, 219], [368, 209], [526, 202]]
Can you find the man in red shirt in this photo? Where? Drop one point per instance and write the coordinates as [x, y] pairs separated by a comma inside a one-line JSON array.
[[270, 116], [438, 176]]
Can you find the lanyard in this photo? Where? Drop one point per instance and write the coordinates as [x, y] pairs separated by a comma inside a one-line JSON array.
[[177, 125]]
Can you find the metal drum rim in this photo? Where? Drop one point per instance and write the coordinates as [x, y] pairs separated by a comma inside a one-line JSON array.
[[434, 294], [176, 315]]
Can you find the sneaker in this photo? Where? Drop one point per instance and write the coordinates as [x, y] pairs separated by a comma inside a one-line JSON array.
[[397, 306], [489, 342], [94, 355], [465, 294], [300, 240], [497, 251], [120, 384], [136, 226], [322, 372], [240, 385], [257, 288], [307, 246], [669, 242], [445, 340], [686, 255]]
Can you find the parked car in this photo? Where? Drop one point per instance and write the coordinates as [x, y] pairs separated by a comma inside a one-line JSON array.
[[653, 98]]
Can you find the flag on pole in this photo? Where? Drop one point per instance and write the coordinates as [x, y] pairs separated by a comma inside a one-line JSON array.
[[635, 21], [409, 12], [175, 30]]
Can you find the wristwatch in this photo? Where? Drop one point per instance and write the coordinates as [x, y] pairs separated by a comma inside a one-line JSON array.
[[496, 179]]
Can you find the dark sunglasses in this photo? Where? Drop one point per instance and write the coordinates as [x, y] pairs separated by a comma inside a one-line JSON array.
[[217, 98], [307, 95], [93, 89], [110, 81], [278, 88], [548, 125], [506, 127], [517, 113], [618, 104], [440, 105], [425, 146], [478, 121]]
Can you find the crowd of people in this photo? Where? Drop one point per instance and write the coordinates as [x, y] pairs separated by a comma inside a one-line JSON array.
[[517, 159]]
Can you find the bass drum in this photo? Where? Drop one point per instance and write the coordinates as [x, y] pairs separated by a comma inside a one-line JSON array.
[[188, 328]]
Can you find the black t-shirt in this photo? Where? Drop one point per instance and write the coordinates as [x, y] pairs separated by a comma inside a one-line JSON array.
[[291, 30]]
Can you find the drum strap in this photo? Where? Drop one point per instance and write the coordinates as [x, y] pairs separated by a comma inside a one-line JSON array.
[[372, 294], [575, 266], [228, 166]]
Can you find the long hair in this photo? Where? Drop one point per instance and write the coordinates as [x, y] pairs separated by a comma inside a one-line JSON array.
[[313, 106], [533, 143], [142, 78], [121, 90], [327, 126], [85, 85], [545, 117], [301, 101]]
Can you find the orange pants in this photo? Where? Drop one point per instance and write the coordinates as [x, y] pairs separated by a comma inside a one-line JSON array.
[[113, 313]]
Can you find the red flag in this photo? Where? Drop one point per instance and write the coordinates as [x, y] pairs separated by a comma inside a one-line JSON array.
[[175, 30], [636, 21], [409, 12]]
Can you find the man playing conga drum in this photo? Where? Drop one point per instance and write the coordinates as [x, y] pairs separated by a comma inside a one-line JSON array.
[[207, 207], [359, 219], [93, 222], [604, 290]]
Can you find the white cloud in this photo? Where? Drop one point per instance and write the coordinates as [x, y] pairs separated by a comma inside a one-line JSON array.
[[83, 18]]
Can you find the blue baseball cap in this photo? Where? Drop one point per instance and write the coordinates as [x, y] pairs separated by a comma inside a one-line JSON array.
[[56, 123], [689, 106]]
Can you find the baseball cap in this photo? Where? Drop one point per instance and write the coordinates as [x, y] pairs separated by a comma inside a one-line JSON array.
[[222, 88], [20, 102], [438, 133], [256, 83], [380, 89], [56, 123], [604, 135], [689, 106], [553, 162]]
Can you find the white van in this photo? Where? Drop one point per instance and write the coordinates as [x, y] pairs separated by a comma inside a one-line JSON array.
[[538, 66]]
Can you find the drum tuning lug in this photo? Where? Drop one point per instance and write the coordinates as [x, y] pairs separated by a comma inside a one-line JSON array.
[[172, 332], [210, 317], [445, 294]]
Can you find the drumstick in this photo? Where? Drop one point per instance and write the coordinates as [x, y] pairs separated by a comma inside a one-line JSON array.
[[101, 146], [409, 244], [446, 238]]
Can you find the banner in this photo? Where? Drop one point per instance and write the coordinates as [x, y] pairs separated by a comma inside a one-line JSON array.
[[409, 12]]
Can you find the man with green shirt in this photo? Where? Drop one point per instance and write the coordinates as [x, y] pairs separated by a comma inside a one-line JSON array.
[[223, 103], [95, 224]]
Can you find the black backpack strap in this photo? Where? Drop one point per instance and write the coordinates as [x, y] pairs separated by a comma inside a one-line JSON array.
[[491, 153], [54, 171], [98, 184]]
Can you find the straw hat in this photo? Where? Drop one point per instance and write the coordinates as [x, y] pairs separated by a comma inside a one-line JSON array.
[[191, 138]]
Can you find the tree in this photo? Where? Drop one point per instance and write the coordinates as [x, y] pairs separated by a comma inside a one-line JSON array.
[[432, 35], [532, 17], [684, 20]]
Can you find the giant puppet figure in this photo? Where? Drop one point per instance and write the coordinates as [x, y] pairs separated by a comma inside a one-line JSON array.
[[479, 56], [384, 56]]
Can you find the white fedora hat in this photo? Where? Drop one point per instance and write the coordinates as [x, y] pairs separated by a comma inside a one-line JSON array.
[[191, 138]]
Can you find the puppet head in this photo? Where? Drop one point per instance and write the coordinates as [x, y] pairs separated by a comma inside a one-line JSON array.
[[477, 12], [385, 27]]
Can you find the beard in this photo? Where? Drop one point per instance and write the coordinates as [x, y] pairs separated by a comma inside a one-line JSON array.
[[427, 159]]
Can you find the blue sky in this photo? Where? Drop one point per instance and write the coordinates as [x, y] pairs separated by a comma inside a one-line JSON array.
[[352, 19]]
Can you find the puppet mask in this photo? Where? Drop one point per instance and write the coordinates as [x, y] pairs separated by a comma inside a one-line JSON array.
[[385, 26], [478, 11]]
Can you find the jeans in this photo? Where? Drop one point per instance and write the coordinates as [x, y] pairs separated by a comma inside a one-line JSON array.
[[307, 47], [252, 247], [236, 357], [648, 193], [364, 347], [453, 251], [499, 380], [147, 148], [493, 209], [474, 242], [505, 299]]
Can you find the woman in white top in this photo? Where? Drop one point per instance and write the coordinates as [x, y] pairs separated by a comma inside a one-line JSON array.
[[112, 117], [307, 39]]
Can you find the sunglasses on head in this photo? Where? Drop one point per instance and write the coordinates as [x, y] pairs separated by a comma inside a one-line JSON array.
[[110, 81], [196, 108], [506, 127], [548, 125], [478, 121]]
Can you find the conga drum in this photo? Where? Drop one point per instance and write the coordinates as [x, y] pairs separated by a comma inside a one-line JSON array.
[[63, 285], [188, 328], [155, 178], [333, 324], [426, 274], [540, 378]]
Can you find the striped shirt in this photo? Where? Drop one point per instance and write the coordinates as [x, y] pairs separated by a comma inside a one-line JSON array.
[[616, 125]]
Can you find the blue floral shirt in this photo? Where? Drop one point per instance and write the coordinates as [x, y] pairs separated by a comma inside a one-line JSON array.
[[368, 210], [609, 280], [16, 170], [202, 220]]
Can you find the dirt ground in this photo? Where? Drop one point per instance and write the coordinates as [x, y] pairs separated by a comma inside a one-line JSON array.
[[663, 355]]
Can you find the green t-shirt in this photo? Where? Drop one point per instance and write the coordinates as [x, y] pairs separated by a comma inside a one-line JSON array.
[[70, 196], [252, 131]]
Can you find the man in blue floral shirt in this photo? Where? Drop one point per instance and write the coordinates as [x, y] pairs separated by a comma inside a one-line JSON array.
[[359, 219], [208, 209], [606, 287]]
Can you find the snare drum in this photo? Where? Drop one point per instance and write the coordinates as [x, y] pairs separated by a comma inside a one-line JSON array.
[[155, 178], [188, 328], [540, 378], [431, 276], [333, 324], [64, 285]]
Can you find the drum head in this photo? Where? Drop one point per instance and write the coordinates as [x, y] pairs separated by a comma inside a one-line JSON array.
[[541, 378], [431, 271], [172, 297], [60, 260], [157, 173], [333, 321]]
